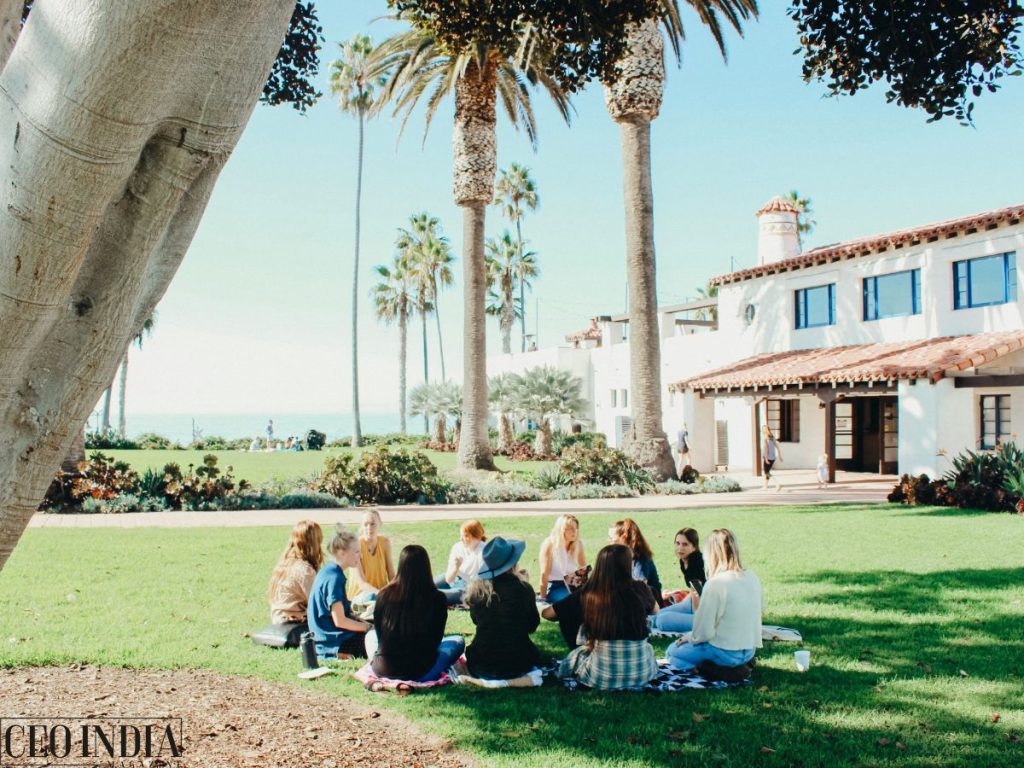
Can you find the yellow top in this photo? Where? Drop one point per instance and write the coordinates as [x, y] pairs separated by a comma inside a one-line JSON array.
[[375, 568]]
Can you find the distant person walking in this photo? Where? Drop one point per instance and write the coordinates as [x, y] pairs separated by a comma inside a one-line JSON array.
[[683, 446], [770, 454], [270, 435]]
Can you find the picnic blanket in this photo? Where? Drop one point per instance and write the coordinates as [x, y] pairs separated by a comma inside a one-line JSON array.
[[670, 680], [768, 632], [366, 676]]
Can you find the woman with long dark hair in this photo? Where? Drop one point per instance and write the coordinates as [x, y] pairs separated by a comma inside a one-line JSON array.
[[614, 607], [408, 642], [628, 532], [678, 617]]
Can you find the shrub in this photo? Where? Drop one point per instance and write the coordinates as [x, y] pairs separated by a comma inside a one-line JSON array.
[[126, 502], [215, 443], [341, 442], [527, 437], [603, 466], [467, 490], [306, 499], [592, 491], [315, 440], [563, 440], [103, 478], [381, 476], [549, 478], [718, 484], [109, 440], [202, 488], [392, 438], [149, 441]]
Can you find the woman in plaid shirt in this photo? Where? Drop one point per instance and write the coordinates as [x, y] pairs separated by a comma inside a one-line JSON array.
[[615, 653]]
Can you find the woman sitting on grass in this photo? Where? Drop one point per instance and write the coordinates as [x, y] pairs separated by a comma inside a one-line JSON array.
[[727, 624], [330, 618], [375, 568], [464, 562], [410, 616], [627, 532], [504, 609], [293, 576], [614, 607], [561, 555], [678, 617]]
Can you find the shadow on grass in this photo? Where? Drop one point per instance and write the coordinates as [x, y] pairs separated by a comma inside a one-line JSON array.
[[948, 512]]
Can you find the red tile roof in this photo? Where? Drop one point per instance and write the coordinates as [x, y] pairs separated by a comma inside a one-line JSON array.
[[866, 246], [778, 204], [923, 359]]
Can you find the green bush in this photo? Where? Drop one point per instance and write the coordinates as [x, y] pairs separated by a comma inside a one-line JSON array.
[[392, 438], [712, 484], [381, 476], [603, 466], [592, 491], [549, 478], [109, 441], [562, 440], [200, 488], [306, 499], [126, 502], [341, 442], [150, 441], [215, 443], [527, 437], [984, 480], [464, 490]]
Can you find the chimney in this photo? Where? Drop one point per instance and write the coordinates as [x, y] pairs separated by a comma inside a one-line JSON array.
[[777, 237]]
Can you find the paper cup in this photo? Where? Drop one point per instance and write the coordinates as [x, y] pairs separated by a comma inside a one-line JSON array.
[[803, 660]]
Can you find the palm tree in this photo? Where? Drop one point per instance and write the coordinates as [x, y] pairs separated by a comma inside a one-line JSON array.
[[507, 267], [516, 190], [439, 400], [633, 100], [392, 298], [354, 79], [545, 392], [146, 331], [479, 76], [433, 261], [710, 291], [502, 391], [805, 222]]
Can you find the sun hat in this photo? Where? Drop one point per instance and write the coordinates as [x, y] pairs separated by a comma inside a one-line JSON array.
[[500, 555]]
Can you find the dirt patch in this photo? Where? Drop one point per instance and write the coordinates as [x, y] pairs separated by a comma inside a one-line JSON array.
[[228, 721]]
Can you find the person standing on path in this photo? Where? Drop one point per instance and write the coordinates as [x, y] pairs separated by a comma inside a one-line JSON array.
[[683, 446], [770, 454]]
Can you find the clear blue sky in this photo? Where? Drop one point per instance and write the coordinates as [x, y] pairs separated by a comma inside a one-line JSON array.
[[258, 318]]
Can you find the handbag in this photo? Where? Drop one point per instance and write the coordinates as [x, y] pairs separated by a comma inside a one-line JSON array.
[[280, 635], [575, 580]]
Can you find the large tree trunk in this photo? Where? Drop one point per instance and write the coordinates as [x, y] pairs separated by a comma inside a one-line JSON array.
[[506, 437], [357, 430], [633, 102], [122, 392], [475, 149], [116, 117], [403, 335], [542, 440], [440, 429]]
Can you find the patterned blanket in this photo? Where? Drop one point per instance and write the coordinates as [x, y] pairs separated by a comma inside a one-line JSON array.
[[365, 675], [670, 680], [768, 632]]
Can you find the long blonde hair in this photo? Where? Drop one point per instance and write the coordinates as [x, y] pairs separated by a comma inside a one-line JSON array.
[[557, 535], [722, 551], [305, 544]]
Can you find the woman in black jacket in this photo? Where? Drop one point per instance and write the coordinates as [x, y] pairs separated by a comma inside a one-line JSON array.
[[679, 617], [408, 642], [504, 609]]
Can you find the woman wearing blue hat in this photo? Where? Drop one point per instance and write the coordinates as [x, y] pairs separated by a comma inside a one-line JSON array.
[[504, 608]]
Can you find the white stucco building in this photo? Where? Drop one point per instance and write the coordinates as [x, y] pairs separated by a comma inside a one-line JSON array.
[[883, 352]]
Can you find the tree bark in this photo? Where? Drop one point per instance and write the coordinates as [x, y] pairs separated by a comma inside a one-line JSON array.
[[426, 372], [122, 419], [507, 319], [10, 27], [357, 431], [522, 288], [476, 162], [403, 334], [108, 163], [440, 429], [506, 437], [440, 339], [542, 441]]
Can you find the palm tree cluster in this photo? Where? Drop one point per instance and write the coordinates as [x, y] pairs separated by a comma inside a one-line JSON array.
[[498, 58], [440, 401], [540, 394]]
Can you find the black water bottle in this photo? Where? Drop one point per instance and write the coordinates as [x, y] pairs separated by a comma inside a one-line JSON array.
[[307, 647]]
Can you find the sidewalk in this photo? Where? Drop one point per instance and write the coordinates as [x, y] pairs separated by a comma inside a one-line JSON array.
[[798, 488]]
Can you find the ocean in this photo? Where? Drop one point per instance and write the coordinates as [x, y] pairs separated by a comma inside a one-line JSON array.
[[181, 427]]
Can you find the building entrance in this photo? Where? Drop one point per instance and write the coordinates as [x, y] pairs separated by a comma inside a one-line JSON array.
[[866, 434]]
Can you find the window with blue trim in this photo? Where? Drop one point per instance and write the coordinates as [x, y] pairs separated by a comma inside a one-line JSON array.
[[892, 295], [816, 306], [985, 281]]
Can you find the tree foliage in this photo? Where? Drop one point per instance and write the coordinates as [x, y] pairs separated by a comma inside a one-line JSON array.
[[935, 55], [297, 63]]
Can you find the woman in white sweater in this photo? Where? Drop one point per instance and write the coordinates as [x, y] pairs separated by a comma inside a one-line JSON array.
[[727, 625]]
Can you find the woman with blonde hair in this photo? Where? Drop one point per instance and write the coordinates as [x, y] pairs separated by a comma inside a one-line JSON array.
[[464, 562], [561, 555], [727, 623], [375, 569], [293, 576], [335, 630]]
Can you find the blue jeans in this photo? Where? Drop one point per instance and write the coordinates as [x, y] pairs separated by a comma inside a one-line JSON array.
[[448, 652], [677, 617], [557, 591], [688, 655], [452, 592]]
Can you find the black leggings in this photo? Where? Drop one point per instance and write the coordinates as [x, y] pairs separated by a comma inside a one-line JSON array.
[[768, 464]]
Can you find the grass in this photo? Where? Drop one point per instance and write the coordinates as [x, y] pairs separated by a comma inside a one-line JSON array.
[[261, 466], [913, 617]]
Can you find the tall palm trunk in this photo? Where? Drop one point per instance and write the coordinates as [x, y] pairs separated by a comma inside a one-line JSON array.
[[633, 101], [403, 333], [522, 291], [122, 419], [357, 432], [105, 419], [508, 318], [475, 150], [426, 372], [440, 339], [506, 437]]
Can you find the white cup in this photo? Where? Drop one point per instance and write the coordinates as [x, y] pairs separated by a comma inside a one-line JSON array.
[[803, 660]]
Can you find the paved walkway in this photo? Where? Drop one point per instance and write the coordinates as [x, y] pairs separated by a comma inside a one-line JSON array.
[[798, 488]]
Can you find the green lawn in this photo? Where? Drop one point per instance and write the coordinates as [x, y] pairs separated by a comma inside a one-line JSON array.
[[914, 617], [261, 466]]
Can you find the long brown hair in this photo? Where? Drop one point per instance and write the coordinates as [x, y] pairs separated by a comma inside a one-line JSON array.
[[628, 533], [412, 590], [305, 544], [610, 604]]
